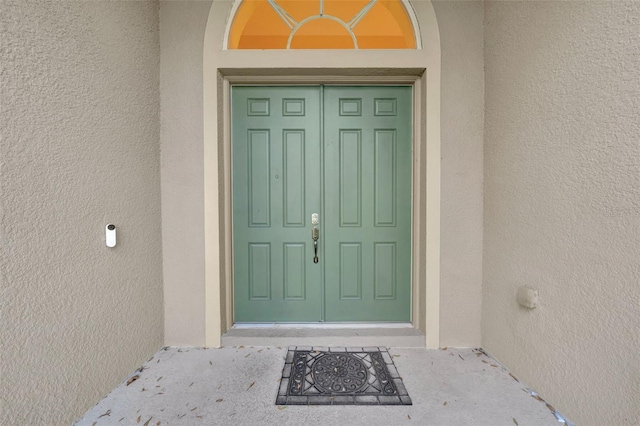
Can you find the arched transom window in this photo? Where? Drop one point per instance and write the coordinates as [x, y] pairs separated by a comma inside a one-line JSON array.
[[322, 24]]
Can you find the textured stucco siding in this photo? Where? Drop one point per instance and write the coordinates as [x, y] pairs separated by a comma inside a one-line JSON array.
[[182, 25], [79, 149], [462, 127], [562, 202]]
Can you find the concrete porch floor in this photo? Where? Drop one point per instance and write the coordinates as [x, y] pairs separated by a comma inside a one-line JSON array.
[[238, 386]]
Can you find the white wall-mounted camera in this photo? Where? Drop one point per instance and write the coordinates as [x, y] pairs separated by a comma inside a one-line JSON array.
[[110, 231]]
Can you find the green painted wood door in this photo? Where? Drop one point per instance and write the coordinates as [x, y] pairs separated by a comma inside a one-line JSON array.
[[342, 152], [367, 203], [276, 188]]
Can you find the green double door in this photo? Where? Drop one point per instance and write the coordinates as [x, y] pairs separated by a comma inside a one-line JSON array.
[[336, 155]]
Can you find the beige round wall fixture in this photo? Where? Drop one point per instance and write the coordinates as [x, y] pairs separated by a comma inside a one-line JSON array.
[[528, 297]]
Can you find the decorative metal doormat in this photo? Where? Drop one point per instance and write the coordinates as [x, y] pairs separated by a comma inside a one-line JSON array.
[[340, 376]]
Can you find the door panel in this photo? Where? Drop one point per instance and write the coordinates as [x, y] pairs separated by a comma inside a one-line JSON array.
[[343, 152], [276, 187], [367, 203]]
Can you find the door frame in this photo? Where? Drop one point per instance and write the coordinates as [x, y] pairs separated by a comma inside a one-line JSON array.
[[411, 77], [425, 300]]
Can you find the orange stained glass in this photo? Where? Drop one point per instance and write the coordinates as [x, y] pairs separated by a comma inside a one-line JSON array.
[[321, 24]]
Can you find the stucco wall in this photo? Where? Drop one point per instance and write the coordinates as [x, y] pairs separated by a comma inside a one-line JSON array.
[[182, 26], [462, 128], [80, 131], [562, 202]]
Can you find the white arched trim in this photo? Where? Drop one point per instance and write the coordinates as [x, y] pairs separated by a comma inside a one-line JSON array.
[[407, 7], [222, 67], [414, 23], [229, 23]]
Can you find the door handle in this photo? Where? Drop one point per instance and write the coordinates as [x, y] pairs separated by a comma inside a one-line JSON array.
[[315, 235]]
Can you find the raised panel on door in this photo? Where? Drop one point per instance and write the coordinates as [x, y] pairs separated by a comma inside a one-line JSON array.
[[367, 203], [276, 187]]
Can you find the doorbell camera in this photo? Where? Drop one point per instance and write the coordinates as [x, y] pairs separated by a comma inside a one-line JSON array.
[[110, 231]]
